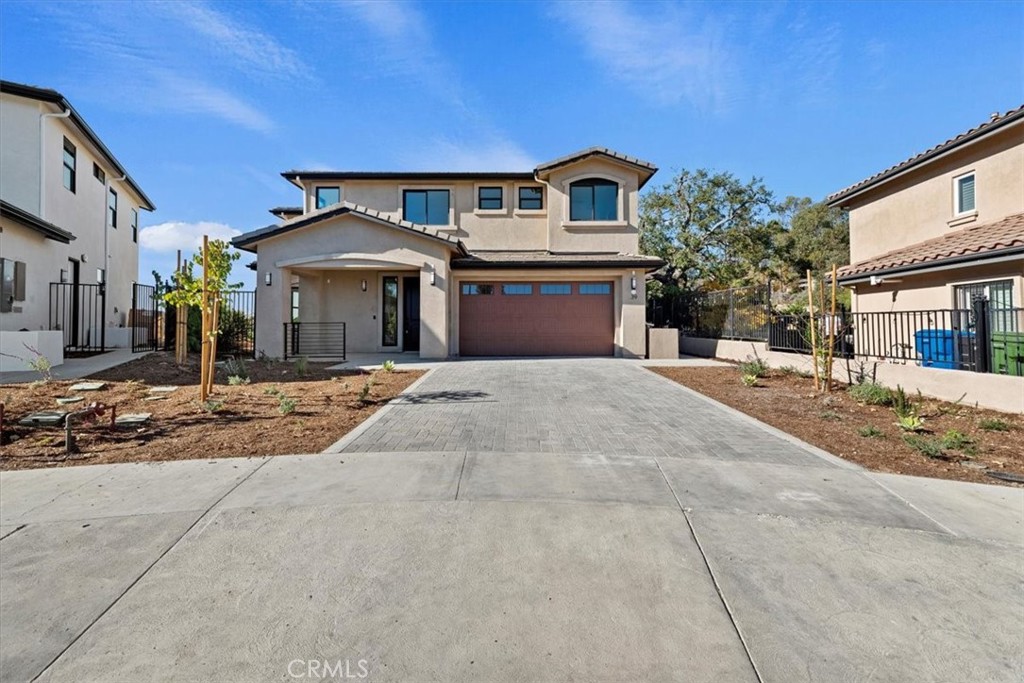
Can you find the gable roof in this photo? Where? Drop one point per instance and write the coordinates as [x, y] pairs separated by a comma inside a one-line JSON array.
[[250, 239], [1004, 237], [33, 222], [53, 97], [646, 168], [996, 122]]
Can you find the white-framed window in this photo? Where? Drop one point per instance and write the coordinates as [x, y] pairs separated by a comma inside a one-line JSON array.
[[964, 200]]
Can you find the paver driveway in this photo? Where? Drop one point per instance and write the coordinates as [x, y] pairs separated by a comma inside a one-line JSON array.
[[514, 520]]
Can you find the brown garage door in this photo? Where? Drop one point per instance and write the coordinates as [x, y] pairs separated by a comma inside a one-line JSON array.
[[536, 319]]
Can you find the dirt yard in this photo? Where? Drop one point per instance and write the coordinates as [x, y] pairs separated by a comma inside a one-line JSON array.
[[280, 411], [868, 434]]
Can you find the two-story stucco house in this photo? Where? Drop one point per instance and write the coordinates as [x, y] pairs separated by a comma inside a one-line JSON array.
[[943, 226], [69, 217], [540, 262]]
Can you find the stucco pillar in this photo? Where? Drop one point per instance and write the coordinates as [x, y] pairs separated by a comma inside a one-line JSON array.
[[634, 315], [273, 308]]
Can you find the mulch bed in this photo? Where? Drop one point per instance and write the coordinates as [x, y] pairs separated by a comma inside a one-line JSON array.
[[832, 422], [239, 421]]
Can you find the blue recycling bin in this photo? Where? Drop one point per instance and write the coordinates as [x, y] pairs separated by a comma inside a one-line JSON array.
[[940, 348]]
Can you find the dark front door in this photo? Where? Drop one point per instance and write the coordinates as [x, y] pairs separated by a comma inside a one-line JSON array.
[[411, 314]]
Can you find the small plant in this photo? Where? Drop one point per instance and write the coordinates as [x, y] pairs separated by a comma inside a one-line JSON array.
[[236, 367], [958, 441], [871, 432], [931, 448], [301, 366], [871, 394], [830, 415], [388, 366], [911, 423], [902, 404], [790, 370], [271, 391], [235, 380], [994, 425], [212, 406], [749, 380], [755, 366], [285, 405], [364, 393], [39, 363]]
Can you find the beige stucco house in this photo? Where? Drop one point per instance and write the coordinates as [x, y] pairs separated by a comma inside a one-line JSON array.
[[943, 226], [445, 264], [69, 215]]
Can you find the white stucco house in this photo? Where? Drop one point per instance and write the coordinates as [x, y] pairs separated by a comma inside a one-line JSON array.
[[443, 264], [69, 220]]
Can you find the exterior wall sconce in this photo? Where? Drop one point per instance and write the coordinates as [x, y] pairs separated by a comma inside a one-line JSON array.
[[433, 277], [63, 275], [632, 284], [101, 276], [362, 285], [268, 278]]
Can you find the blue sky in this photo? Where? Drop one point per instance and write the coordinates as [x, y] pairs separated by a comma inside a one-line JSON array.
[[206, 103]]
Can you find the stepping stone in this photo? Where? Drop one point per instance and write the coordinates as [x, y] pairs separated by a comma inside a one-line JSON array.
[[88, 386], [132, 419], [44, 418], [162, 390], [158, 397], [69, 399]]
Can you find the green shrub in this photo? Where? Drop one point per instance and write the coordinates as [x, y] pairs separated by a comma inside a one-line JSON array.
[[911, 423], [871, 432], [301, 366], [236, 367], [830, 415], [749, 380], [364, 393], [388, 366], [903, 405], [271, 391], [285, 405], [930, 447], [212, 406], [790, 370], [994, 425], [754, 366], [235, 380], [958, 441], [871, 394]]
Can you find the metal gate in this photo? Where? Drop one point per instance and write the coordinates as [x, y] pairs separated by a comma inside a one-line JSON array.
[[76, 309], [237, 325], [144, 318]]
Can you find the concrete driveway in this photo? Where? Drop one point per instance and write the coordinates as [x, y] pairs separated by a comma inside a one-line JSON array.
[[514, 520]]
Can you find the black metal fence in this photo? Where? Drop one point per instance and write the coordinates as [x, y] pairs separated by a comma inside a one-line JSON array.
[[77, 311], [322, 340], [145, 318], [237, 324], [981, 339]]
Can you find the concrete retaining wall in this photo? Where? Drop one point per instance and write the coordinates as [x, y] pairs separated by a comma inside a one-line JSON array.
[[997, 392]]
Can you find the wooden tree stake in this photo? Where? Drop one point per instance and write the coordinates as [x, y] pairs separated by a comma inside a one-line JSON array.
[[204, 370], [831, 331], [810, 317]]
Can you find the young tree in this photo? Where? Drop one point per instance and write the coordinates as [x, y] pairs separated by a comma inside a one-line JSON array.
[[205, 292], [711, 229]]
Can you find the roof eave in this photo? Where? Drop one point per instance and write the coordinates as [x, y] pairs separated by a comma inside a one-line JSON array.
[[923, 267], [32, 222]]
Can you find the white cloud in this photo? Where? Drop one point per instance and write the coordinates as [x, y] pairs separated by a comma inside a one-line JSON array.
[[195, 97], [492, 154], [173, 235], [665, 57]]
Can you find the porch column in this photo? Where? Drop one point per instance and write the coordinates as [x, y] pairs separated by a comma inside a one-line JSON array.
[[273, 309]]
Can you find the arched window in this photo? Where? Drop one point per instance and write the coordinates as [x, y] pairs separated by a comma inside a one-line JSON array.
[[594, 199]]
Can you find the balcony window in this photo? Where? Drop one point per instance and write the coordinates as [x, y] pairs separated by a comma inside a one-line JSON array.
[[70, 163], [327, 196], [594, 199], [426, 207]]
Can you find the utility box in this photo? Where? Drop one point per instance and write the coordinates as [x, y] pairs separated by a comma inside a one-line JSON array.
[[1008, 353]]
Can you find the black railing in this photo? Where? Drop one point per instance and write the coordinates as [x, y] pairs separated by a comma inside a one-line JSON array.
[[144, 318], [740, 313], [237, 324], [77, 311], [314, 340]]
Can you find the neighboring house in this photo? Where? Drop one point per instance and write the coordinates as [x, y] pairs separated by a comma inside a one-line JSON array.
[[941, 227], [69, 217], [542, 262]]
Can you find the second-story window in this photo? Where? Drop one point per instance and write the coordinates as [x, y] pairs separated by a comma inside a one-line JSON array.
[[70, 163], [135, 225], [112, 208], [426, 207], [489, 198], [531, 198], [327, 196], [594, 199], [963, 194], [98, 173]]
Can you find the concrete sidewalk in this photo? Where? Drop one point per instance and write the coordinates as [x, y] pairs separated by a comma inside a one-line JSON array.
[[717, 558], [75, 368]]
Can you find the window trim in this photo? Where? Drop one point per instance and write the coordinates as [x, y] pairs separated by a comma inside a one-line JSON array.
[[112, 210], [543, 200], [316, 196], [478, 187], [450, 189], [621, 222], [69, 148], [958, 211]]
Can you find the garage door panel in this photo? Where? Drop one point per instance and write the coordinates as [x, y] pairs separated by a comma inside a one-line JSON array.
[[536, 324]]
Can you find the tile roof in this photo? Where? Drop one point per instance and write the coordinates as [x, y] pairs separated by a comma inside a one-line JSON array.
[[547, 259], [33, 222], [996, 121], [1002, 237], [251, 238], [646, 166]]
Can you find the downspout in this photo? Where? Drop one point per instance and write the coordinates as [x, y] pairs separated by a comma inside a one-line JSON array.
[[42, 157]]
